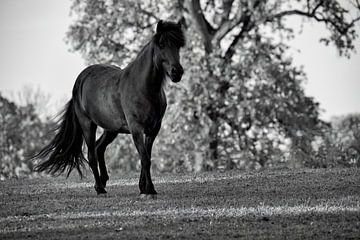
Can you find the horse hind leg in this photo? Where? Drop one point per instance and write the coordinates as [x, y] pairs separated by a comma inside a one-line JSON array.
[[90, 140], [101, 144], [89, 131]]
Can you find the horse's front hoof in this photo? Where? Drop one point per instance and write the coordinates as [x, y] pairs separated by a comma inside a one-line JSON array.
[[104, 179], [100, 190], [144, 196]]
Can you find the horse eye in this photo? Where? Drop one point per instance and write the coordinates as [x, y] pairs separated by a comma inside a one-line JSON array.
[[161, 45]]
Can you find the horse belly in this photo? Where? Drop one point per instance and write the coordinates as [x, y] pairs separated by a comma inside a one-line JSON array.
[[106, 112], [111, 118]]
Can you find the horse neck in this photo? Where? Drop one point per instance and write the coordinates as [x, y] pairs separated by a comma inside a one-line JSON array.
[[148, 75]]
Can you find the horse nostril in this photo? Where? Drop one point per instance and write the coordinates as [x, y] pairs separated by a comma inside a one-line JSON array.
[[177, 70]]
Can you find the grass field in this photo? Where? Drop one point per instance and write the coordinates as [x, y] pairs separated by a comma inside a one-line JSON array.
[[286, 204]]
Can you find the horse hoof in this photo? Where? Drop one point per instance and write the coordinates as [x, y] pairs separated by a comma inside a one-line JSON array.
[[144, 196], [104, 180], [100, 191]]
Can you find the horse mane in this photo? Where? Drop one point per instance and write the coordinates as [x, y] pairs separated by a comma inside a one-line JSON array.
[[170, 34]]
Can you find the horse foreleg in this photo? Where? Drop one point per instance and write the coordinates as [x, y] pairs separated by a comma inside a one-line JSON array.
[[145, 184], [149, 140]]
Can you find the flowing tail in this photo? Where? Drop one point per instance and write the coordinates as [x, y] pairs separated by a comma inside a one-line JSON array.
[[64, 152]]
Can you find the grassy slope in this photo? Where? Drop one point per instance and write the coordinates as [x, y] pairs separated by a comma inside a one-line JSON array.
[[321, 204]]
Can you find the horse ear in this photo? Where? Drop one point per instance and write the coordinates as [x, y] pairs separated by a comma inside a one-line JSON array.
[[159, 26], [179, 23]]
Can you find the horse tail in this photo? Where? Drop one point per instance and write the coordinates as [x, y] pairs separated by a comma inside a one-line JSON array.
[[64, 152]]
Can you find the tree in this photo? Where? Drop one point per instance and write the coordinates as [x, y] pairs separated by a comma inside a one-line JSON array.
[[22, 135], [345, 140], [242, 97], [30, 95], [348, 130]]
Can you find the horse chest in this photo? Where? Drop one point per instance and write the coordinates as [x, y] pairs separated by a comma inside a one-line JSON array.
[[147, 113], [151, 114]]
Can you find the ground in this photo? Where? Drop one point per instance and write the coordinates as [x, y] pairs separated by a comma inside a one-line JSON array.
[[271, 204]]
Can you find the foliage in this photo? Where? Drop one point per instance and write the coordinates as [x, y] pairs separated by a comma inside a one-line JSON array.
[[241, 102], [22, 135], [340, 145]]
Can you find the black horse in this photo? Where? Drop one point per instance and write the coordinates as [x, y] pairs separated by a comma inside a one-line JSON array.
[[129, 100]]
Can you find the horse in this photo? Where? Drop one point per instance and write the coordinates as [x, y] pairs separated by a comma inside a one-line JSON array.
[[120, 101]]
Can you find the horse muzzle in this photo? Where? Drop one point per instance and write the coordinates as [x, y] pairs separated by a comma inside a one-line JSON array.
[[176, 73]]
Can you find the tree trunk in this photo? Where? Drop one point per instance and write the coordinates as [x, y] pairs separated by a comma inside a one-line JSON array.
[[213, 155]]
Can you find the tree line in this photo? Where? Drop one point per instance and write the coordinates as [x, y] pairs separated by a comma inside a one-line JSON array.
[[24, 133], [241, 103]]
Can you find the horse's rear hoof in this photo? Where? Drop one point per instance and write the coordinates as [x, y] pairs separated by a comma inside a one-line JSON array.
[[144, 196]]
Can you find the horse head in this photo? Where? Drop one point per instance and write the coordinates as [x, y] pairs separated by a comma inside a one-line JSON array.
[[169, 38]]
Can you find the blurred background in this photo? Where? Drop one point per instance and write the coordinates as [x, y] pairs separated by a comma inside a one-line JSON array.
[[267, 84]]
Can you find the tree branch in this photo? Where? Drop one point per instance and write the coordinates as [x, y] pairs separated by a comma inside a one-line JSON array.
[[206, 30], [227, 26], [336, 21], [227, 5], [247, 25]]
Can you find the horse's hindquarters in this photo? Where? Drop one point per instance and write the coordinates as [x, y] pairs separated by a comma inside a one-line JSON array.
[[99, 97]]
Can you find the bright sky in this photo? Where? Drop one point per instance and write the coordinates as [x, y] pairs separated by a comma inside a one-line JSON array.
[[33, 52]]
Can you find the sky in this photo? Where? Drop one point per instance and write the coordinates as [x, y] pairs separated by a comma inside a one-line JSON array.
[[33, 53], [33, 50]]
